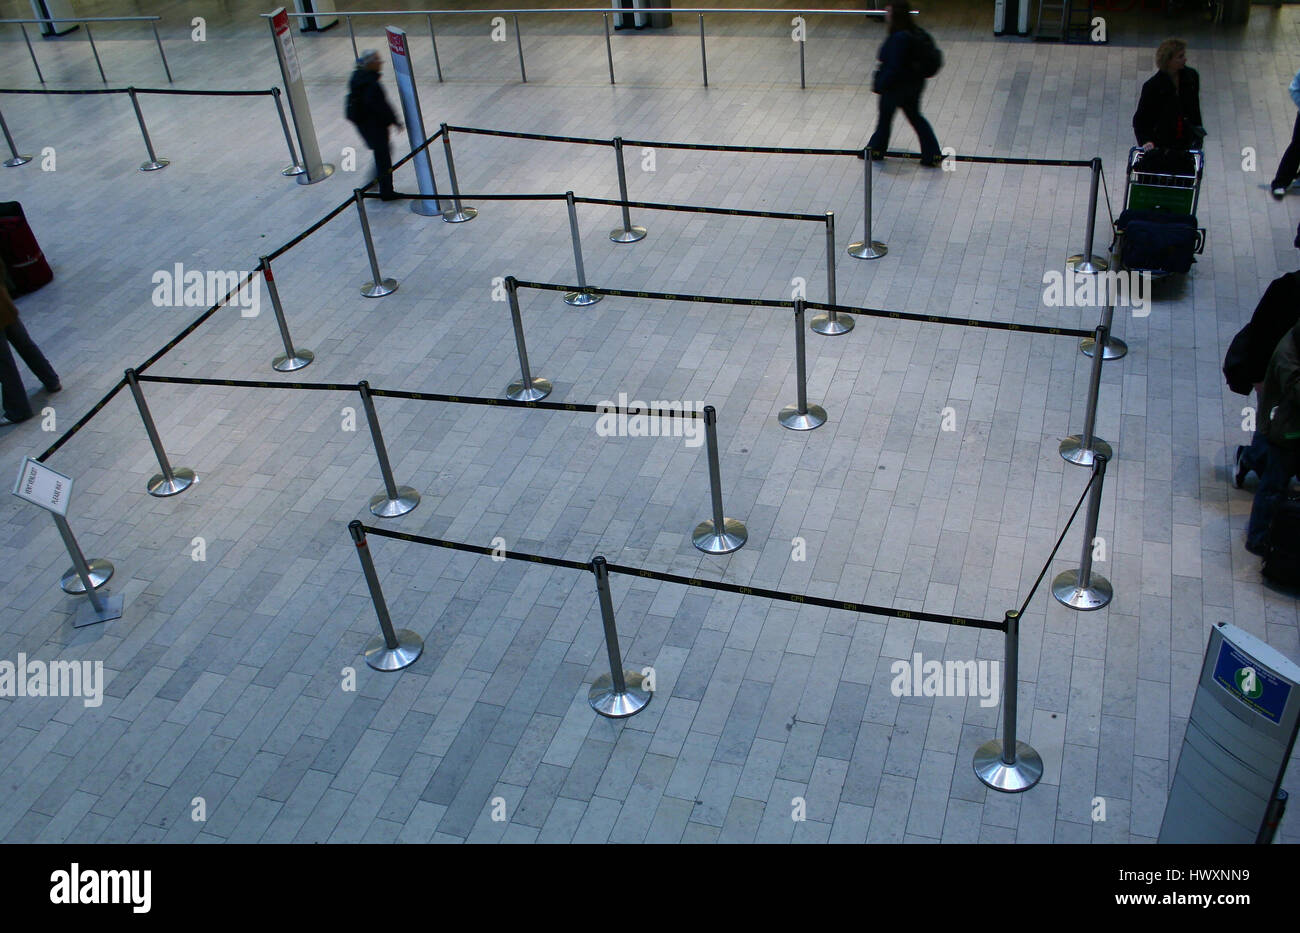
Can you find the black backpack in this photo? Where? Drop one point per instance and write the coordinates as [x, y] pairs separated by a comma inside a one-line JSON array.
[[926, 57]]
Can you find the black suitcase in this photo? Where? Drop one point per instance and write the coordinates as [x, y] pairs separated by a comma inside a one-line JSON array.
[[1282, 565], [1158, 241]]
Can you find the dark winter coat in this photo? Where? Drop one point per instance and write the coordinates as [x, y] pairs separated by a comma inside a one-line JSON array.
[[896, 71], [1277, 312], [1279, 415], [367, 106], [1167, 116]]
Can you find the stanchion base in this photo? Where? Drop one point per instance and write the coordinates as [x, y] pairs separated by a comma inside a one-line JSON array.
[[606, 701], [1013, 778], [326, 171], [824, 325], [581, 299], [1073, 451], [383, 507], [87, 614], [1082, 265], [539, 390], [154, 165], [382, 658], [426, 208], [101, 571], [292, 170], [733, 537], [182, 479], [1095, 595], [1115, 348], [20, 160], [790, 417], [284, 363], [630, 235], [460, 216], [385, 287], [865, 250]]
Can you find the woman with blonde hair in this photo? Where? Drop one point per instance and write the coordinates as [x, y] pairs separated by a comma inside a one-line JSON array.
[[1169, 110]]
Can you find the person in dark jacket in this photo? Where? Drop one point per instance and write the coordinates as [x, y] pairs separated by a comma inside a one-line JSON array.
[[1247, 361], [17, 407], [368, 109], [1279, 422], [1169, 111], [899, 85]]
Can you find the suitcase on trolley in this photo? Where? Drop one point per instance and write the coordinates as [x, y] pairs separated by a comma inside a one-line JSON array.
[[23, 259], [1158, 242]]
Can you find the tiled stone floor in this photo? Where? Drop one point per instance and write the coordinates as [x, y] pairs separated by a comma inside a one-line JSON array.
[[225, 676]]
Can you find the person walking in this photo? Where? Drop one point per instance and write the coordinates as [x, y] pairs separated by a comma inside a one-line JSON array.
[[1290, 164], [368, 109], [1279, 422], [17, 407], [899, 83], [1168, 115]]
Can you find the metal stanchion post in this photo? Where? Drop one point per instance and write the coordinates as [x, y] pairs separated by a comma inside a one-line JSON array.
[[801, 416], [721, 535], [1082, 589], [13, 151], [458, 214], [97, 570], [802, 81], [94, 51], [169, 482], [391, 650], [1272, 817], [867, 248], [519, 43], [161, 53], [1080, 448], [619, 693], [1113, 348], [830, 324], [1008, 765], [437, 63], [292, 358], [704, 60], [378, 286], [1086, 263], [628, 233], [295, 167], [101, 607], [527, 389], [353, 37], [154, 162], [28, 39], [609, 49], [394, 500], [582, 297]]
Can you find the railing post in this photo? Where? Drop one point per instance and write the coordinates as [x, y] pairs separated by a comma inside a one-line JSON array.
[[1086, 263], [394, 500], [704, 61], [390, 650], [154, 162], [28, 39], [582, 297], [803, 84], [721, 535], [1113, 348], [620, 693], [527, 389], [519, 43], [295, 167], [1008, 765], [101, 607], [1080, 449], [609, 49], [458, 214], [867, 248], [292, 358], [801, 416], [95, 52], [353, 37], [831, 324], [1082, 589], [16, 159], [437, 63], [628, 233], [97, 570], [169, 482], [161, 53], [378, 286]]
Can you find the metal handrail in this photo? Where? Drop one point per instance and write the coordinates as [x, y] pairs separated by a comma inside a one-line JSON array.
[[86, 21], [82, 19]]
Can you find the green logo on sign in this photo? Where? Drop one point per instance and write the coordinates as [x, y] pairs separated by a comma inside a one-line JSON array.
[[1248, 683]]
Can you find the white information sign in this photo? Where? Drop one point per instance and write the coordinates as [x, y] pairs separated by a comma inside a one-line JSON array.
[[40, 485]]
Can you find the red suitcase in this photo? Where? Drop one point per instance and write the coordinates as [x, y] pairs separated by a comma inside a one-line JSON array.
[[22, 255]]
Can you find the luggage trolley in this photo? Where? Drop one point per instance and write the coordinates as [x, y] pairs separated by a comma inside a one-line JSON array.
[[1160, 208]]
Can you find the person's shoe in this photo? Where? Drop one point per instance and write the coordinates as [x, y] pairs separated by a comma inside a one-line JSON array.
[[1279, 192], [7, 419], [1258, 551], [57, 387], [1239, 466]]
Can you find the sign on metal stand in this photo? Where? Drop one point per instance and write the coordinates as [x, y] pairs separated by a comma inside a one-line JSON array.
[[291, 71], [414, 120], [1239, 737], [51, 490]]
